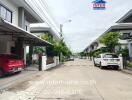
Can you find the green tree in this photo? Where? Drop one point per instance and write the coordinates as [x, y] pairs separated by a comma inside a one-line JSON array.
[[110, 40], [47, 37], [124, 52], [57, 48], [38, 50], [82, 54]]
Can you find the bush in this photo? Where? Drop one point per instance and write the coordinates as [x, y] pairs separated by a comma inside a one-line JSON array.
[[129, 64], [110, 40], [124, 52]]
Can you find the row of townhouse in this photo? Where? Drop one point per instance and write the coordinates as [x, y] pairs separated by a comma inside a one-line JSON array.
[[15, 32], [124, 27]]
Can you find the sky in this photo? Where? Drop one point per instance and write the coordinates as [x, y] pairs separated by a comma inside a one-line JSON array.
[[87, 24]]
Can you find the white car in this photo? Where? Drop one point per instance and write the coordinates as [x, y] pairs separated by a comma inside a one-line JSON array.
[[107, 60]]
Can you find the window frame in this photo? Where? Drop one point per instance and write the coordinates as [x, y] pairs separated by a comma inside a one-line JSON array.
[[1, 5], [10, 16]]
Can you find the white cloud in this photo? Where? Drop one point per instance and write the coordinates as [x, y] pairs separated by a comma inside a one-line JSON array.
[[87, 24]]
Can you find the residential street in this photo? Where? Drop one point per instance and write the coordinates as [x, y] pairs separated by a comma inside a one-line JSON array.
[[75, 80]]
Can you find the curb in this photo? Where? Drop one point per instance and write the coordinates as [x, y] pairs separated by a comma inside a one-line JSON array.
[[127, 71]]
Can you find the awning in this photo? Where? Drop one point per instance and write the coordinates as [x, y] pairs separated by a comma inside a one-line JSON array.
[[6, 28]]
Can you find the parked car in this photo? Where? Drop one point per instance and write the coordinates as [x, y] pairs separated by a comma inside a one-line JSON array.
[[10, 63], [106, 60], [71, 58]]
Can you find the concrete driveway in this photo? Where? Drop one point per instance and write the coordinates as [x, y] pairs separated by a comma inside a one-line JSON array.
[[75, 80], [9, 80]]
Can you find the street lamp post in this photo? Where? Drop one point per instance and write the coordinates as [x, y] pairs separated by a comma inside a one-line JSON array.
[[62, 36], [61, 27]]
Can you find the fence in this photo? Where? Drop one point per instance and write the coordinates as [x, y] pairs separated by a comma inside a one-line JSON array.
[[46, 66]]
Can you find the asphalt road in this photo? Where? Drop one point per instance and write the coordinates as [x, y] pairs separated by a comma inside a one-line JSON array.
[[75, 80]]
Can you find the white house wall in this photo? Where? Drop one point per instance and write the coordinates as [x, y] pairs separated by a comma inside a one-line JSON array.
[[28, 25], [41, 9], [6, 41], [13, 8]]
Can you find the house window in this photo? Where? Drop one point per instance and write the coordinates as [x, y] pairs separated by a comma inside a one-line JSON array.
[[9, 16], [5, 13], [126, 35], [26, 27]]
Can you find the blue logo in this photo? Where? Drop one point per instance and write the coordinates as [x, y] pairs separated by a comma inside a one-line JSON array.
[[99, 5]]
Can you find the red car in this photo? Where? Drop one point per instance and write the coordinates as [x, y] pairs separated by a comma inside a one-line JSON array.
[[10, 63]]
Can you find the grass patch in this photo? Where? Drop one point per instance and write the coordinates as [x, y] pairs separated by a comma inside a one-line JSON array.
[[129, 64]]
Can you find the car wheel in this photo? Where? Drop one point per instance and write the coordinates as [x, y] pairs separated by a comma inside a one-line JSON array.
[[95, 65], [1, 73], [116, 68], [100, 65]]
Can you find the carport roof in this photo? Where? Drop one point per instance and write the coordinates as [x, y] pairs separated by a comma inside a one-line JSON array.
[[6, 28]]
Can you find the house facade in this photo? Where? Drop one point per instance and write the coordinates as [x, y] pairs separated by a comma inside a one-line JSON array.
[[15, 19], [96, 45], [42, 29], [126, 29]]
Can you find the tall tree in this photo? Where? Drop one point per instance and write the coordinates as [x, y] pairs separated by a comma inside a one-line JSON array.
[[110, 40]]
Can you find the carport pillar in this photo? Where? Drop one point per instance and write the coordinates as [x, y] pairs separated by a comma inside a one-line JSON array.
[[40, 62], [19, 48], [30, 53], [25, 58]]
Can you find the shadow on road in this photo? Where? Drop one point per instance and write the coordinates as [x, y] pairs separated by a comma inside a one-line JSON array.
[[10, 75]]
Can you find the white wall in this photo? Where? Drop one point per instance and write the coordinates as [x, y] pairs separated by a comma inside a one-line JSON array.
[[41, 8], [28, 25], [13, 8], [49, 66]]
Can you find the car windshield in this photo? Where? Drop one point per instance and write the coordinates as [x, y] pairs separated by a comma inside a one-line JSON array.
[[110, 56]]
